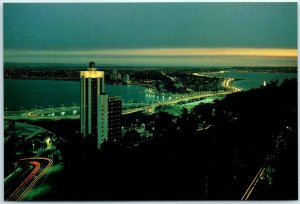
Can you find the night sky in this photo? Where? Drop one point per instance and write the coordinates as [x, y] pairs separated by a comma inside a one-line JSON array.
[[222, 34]]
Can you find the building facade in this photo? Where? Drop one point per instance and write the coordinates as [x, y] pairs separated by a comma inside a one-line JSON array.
[[114, 74], [94, 106], [100, 115], [125, 79], [114, 118]]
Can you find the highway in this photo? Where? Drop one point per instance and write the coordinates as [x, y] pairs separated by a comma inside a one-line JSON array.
[[261, 171], [204, 128], [253, 184], [226, 84], [23, 184], [73, 111]]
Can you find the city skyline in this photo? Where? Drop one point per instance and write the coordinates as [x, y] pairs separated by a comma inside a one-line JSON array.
[[167, 34], [187, 101]]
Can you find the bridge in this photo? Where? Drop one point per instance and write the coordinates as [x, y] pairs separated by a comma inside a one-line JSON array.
[[73, 112]]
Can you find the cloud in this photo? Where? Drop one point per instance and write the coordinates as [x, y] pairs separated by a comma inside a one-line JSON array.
[[274, 52], [161, 56]]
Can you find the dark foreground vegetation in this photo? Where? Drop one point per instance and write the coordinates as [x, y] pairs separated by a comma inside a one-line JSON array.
[[211, 153]]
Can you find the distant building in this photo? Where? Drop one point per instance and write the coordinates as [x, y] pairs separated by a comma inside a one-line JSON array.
[[140, 129], [119, 76], [125, 79], [94, 105], [264, 83], [114, 74], [114, 118]]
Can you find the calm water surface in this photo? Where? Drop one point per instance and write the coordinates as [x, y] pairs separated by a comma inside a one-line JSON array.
[[45, 93], [251, 80]]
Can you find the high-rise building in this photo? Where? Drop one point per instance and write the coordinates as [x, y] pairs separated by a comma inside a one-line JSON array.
[[94, 104], [100, 114], [125, 79], [119, 76], [114, 118], [114, 74]]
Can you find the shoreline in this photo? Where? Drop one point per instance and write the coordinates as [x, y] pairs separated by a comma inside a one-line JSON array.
[[35, 114]]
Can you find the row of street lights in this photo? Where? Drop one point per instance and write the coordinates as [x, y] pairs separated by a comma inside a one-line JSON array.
[[41, 107]]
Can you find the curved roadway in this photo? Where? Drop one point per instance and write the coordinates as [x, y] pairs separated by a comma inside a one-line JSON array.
[[42, 114], [24, 185]]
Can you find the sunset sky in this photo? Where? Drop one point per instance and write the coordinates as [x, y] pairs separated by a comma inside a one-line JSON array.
[[168, 34]]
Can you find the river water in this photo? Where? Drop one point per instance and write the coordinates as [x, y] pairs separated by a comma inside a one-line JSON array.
[[249, 80], [44, 93]]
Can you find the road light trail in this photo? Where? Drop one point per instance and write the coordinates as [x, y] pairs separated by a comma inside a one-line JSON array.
[[8, 189], [42, 114], [27, 179], [38, 177], [24, 187], [253, 184], [204, 128]]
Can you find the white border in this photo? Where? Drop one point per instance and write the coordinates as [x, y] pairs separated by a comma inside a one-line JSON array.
[[123, 1]]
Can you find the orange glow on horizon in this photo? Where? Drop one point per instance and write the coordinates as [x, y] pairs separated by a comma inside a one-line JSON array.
[[160, 56], [264, 52]]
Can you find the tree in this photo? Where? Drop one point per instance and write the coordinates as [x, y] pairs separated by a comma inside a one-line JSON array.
[[131, 137]]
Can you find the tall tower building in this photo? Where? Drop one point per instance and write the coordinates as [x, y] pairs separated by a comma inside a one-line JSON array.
[[94, 104], [125, 79], [115, 74], [114, 118]]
